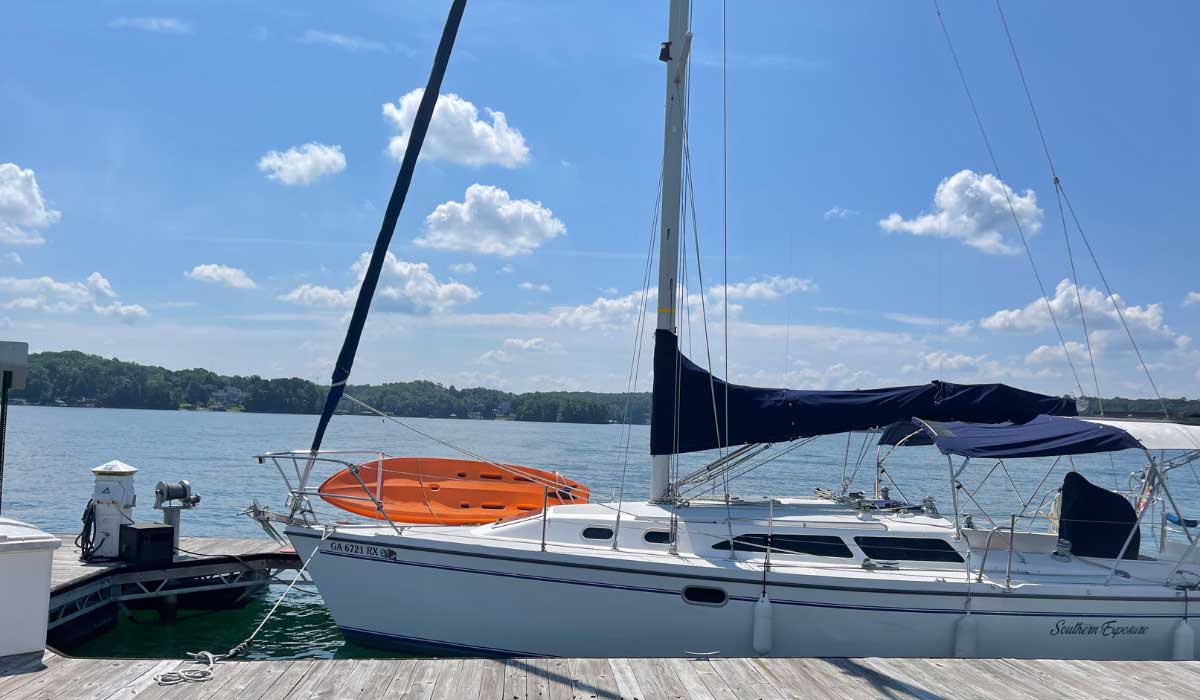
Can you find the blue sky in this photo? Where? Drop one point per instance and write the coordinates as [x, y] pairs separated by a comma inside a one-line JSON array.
[[192, 183]]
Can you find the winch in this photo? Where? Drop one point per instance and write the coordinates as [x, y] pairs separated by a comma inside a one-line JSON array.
[[171, 498]]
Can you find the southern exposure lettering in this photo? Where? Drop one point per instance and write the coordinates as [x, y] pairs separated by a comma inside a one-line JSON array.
[[1108, 628]]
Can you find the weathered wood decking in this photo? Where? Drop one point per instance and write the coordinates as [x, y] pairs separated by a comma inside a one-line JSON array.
[[53, 676], [69, 571]]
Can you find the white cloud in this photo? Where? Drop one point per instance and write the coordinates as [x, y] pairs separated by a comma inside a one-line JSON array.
[[974, 209], [466, 268], [489, 222], [506, 269], [303, 165], [531, 287], [99, 286], [494, 357], [22, 210], [914, 320], [764, 289], [346, 42], [1191, 298], [835, 376], [528, 344], [603, 313], [1148, 322], [952, 361], [125, 312], [221, 274], [961, 329], [841, 213], [1053, 354], [609, 312], [48, 295], [456, 133], [404, 287], [160, 25], [12, 257]]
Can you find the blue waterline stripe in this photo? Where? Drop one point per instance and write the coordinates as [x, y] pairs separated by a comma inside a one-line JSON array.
[[743, 599]]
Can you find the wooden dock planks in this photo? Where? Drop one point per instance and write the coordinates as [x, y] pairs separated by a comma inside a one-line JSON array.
[[53, 676]]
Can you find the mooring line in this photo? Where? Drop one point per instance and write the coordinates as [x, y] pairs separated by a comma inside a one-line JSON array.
[[210, 660]]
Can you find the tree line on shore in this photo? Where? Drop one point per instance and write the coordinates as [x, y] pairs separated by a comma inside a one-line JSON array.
[[73, 378]]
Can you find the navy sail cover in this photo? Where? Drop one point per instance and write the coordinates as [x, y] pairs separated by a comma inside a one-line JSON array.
[[688, 408], [1044, 436]]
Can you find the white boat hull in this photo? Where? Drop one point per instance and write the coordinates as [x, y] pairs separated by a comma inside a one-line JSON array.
[[399, 592]]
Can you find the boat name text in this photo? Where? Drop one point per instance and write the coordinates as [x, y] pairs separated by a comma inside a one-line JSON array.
[[1108, 628]]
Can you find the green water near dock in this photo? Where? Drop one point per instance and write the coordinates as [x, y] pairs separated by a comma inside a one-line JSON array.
[[301, 628]]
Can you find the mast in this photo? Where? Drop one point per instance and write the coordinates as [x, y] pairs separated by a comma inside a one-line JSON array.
[[416, 137], [675, 55]]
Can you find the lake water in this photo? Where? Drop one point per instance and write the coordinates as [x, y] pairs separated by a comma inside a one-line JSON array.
[[51, 450]]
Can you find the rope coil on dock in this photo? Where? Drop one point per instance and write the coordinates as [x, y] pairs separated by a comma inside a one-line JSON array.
[[210, 660]]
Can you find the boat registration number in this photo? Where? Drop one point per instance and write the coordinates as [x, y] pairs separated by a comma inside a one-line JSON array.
[[362, 550]]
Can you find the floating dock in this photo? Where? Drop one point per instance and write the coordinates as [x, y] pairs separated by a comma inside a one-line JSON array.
[[209, 572], [51, 676]]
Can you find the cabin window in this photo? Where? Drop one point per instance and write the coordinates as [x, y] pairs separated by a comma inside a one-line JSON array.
[[703, 595], [658, 537], [908, 548], [597, 533], [816, 545]]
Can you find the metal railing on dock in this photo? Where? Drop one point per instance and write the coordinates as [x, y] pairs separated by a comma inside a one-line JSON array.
[[210, 571]]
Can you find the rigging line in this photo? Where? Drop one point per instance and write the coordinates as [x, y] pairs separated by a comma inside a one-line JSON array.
[[1087, 338], [1058, 192], [443, 443], [1115, 302], [1063, 192], [725, 196], [1007, 197], [638, 344], [722, 445]]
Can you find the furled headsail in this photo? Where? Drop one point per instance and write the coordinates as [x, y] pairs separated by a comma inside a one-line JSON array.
[[688, 412]]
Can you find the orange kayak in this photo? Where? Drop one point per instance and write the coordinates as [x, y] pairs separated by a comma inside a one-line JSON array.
[[443, 491]]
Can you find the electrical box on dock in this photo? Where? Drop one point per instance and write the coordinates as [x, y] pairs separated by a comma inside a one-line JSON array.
[[147, 543]]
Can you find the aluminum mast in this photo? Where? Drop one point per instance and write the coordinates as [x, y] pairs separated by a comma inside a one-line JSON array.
[[675, 54]]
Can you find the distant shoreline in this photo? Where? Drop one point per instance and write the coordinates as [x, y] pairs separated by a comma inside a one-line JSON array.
[[75, 379], [22, 404]]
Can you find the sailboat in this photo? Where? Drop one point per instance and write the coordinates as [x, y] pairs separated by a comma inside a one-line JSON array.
[[692, 572]]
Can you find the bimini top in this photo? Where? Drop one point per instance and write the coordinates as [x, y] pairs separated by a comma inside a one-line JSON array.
[[1052, 436], [689, 406]]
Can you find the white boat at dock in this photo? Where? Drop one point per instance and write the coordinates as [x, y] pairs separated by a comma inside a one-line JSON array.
[[695, 571]]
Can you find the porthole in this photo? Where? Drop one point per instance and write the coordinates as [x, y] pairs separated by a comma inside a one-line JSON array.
[[597, 533], [658, 537], [704, 595]]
